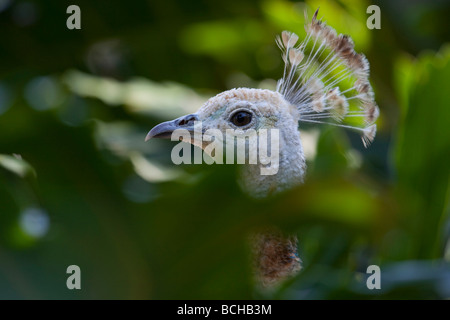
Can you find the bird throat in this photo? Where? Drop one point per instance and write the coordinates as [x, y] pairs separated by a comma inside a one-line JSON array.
[[290, 173]]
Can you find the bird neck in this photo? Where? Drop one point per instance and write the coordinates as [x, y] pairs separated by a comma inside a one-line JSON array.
[[291, 168]]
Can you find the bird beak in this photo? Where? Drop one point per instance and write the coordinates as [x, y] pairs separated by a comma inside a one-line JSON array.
[[164, 130]]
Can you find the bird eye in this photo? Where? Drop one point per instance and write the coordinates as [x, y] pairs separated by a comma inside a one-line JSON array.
[[241, 118]]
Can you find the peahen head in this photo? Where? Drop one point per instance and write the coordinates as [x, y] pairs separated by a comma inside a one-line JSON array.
[[324, 81], [245, 113]]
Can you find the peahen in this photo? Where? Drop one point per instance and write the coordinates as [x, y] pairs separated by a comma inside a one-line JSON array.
[[324, 82]]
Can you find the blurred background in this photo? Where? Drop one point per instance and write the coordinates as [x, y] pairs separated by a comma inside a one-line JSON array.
[[78, 185]]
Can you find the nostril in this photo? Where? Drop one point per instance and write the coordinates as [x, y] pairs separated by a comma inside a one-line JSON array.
[[187, 120]]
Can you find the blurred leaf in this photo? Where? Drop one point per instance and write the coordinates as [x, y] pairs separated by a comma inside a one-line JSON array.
[[139, 95], [153, 172], [423, 150], [17, 165]]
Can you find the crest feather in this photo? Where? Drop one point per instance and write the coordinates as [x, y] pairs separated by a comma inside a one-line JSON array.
[[326, 79]]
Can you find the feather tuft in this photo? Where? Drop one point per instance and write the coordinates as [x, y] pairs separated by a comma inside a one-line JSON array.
[[289, 39], [369, 134], [318, 103], [338, 103], [295, 56], [372, 113]]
